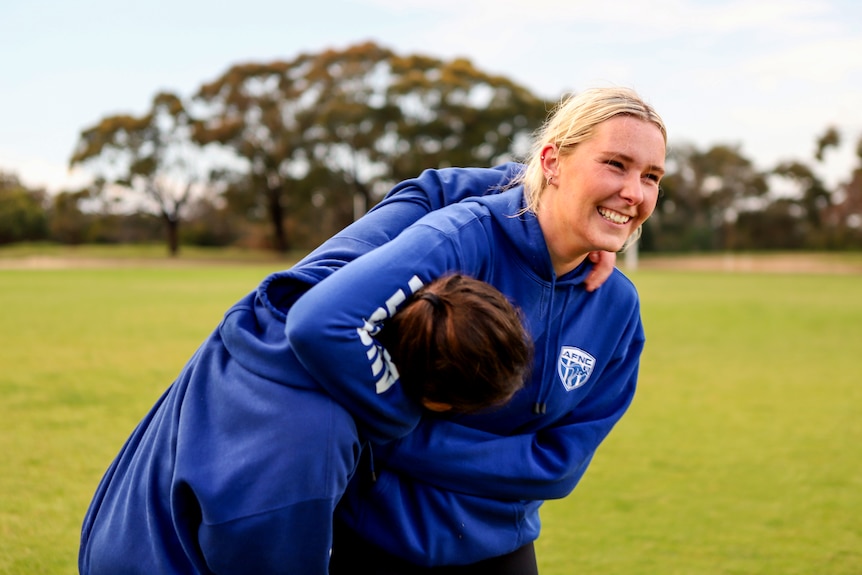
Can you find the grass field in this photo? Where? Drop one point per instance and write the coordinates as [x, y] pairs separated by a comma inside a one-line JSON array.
[[740, 455]]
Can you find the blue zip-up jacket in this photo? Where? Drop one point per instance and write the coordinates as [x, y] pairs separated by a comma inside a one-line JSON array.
[[462, 489], [238, 466]]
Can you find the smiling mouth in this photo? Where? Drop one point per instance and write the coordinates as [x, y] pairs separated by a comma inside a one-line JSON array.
[[614, 217]]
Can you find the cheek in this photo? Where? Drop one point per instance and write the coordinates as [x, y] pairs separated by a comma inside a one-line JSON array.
[[574, 199], [650, 201]]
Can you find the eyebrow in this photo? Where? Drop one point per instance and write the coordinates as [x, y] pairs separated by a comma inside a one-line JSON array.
[[630, 160]]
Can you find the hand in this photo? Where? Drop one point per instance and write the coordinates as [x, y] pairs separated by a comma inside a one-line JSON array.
[[604, 265]]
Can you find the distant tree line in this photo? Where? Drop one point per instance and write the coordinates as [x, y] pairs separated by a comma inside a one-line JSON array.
[[282, 155]]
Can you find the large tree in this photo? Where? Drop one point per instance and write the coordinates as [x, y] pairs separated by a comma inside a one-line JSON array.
[[681, 220], [810, 203], [22, 211], [343, 125], [151, 158], [703, 195], [731, 185]]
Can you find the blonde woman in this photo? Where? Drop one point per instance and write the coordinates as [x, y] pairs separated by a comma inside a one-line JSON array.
[[461, 494]]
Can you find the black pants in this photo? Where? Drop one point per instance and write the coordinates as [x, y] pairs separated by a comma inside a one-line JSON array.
[[351, 554]]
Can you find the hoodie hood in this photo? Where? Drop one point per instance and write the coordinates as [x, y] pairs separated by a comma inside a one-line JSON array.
[[252, 331], [525, 238]]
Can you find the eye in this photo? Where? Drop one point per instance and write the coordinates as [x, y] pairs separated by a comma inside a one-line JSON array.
[[654, 177], [615, 164]]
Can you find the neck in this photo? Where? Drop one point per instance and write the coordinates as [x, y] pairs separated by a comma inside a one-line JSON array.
[[564, 266], [564, 260]]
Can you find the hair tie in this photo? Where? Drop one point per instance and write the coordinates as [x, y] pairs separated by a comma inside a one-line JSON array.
[[434, 300]]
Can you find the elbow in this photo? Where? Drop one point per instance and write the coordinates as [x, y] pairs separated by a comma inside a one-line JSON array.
[[298, 327]]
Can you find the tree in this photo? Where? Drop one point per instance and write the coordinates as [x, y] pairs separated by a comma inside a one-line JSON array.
[[730, 185], [830, 138], [257, 110], [210, 223], [69, 224], [702, 196], [22, 211], [846, 214], [808, 205], [681, 220], [151, 157], [416, 112], [340, 125]]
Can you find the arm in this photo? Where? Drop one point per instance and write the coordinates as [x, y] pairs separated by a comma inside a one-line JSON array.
[[331, 328], [406, 203], [537, 465]]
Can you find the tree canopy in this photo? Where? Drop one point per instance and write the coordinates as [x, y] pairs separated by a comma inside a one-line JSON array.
[[151, 156], [297, 148], [353, 122]]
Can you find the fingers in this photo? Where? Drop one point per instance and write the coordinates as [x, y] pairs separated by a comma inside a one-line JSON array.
[[604, 266]]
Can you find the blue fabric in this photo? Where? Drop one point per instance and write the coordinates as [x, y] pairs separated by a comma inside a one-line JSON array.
[[239, 465], [235, 470], [462, 489]]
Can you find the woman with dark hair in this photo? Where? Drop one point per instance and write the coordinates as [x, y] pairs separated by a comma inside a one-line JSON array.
[[458, 346], [239, 466]]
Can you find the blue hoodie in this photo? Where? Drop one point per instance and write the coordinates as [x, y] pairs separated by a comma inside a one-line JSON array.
[[239, 465], [465, 488]]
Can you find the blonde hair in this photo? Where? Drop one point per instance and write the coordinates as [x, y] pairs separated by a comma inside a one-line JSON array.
[[574, 121]]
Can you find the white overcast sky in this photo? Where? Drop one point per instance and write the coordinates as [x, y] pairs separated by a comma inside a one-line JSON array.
[[768, 75]]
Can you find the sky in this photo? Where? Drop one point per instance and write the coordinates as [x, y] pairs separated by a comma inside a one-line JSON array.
[[768, 76]]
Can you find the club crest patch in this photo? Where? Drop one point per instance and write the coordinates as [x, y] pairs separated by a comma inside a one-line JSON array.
[[574, 367]]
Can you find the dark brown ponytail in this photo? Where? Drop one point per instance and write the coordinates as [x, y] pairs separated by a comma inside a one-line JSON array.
[[459, 341]]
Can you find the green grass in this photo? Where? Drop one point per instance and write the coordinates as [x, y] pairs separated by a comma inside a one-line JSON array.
[[740, 455], [741, 452], [84, 355], [137, 254]]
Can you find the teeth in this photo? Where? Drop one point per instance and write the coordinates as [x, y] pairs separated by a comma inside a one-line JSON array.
[[613, 216]]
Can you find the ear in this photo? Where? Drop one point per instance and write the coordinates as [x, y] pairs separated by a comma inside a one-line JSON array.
[[437, 406], [550, 158]]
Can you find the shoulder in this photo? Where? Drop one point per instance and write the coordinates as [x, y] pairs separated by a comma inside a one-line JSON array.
[[618, 295], [623, 284], [482, 180]]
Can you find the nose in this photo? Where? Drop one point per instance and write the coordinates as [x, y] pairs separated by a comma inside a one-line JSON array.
[[632, 191]]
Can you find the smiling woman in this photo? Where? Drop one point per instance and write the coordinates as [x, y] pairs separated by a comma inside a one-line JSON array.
[[594, 174], [444, 496], [600, 192]]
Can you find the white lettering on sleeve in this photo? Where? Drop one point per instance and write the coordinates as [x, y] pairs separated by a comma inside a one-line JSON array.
[[381, 362]]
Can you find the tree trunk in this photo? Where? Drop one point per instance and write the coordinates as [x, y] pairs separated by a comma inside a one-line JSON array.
[[276, 214], [172, 226]]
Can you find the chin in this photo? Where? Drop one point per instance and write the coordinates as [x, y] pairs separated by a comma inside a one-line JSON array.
[[608, 239], [609, 245]]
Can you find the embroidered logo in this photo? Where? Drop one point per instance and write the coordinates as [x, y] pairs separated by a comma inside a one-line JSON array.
[[574, 367]]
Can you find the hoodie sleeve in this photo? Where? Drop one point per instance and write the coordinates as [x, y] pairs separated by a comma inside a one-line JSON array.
[[544, 464], [406, 203], [331, 328]]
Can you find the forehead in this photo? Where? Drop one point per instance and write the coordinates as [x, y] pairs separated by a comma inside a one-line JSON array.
[[631, 136]]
